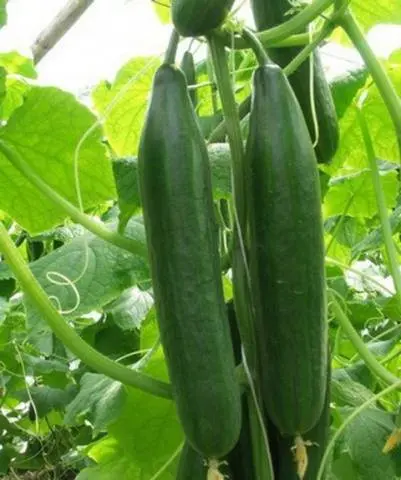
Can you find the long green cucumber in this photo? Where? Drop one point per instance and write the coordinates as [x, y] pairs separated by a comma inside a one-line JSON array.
[[269, 13], [318, 437], [286, 253], [175, 186]]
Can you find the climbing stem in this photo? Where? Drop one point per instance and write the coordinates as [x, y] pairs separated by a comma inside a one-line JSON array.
[[137, 247], [66, 334]]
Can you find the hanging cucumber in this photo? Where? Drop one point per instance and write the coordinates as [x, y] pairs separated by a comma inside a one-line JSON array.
[[286, 253], [270, 13], [188, 68], [316, 441], [192, 18], [177, 201]]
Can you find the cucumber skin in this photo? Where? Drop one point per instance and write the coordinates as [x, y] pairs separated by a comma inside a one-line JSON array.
[[285, 467], [192, 18], [176, 193], [286, 255], [269, 13]]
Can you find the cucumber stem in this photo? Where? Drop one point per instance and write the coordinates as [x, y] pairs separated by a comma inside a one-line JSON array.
[[257, 47], [66, 334], [391, 251], [171, 51], [370, 360], [378, 73], [133, 246]]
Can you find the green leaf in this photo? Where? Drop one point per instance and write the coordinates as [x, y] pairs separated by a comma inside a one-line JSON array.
[[355, 194], [365, 438], [123, 104], [163, 10], [47, 399], [130, 309], [364, 313], [16, 89], [374, 240], [371, 12], [346, 391], [100, 272], [350, 231], [16, 63], [345, 87], [145, 436], [100, 400], [126, 177], [46, 131]]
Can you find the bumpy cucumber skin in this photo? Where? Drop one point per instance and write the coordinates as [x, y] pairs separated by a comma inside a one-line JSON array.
[[177, 201], [269, 13], [188, 68], [192, 18], [286, 255], [285, 467]]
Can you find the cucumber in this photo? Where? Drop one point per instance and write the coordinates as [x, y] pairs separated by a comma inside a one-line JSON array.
[[285, 467], [286, 255], [192, 18], [176, 192], [188, 68], [269, 13]]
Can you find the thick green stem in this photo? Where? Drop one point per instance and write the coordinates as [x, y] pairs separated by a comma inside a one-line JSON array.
[[378, 73], [66, 334], [171, 51], [370, 360], [130, 244], [391, 251]]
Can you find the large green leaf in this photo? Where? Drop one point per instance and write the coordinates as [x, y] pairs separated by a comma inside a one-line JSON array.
[[46, 131], [123, 104]]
